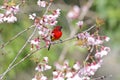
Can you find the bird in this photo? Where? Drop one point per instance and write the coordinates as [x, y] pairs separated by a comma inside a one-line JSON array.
[[55, 34]]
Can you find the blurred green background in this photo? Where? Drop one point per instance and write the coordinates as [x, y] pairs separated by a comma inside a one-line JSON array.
[[109, 10]]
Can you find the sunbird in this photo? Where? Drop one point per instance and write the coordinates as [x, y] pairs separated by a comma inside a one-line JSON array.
[[56, 34]]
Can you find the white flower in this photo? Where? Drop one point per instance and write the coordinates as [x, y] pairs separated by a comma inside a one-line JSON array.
[[69, 74], [34, 79], [10, 19], [32, 16], [45, 59], [59, 78], [76, 66], [55, 73], [47, 67], [35, 42], [107, 39], [43, 78], [8, 12], [1, 17]]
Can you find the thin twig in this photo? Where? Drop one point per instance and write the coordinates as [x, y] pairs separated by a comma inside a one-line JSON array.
[[101, 77], [47, 8], [19, 52], [89, 54], [17, 35]]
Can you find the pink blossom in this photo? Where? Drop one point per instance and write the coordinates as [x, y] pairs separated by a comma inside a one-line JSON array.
[[42, 67], [74, 13], [90, 70], [43, 32], [80, 23], [16, 9], [35, 42], [41, 3], [91, 40], [83, 35], [104, 51]]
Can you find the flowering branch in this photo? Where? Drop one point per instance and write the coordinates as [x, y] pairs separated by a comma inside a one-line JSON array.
[[11, 66], [42, 25]]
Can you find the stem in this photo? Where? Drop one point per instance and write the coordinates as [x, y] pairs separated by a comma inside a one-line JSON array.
[[102, 77], [88, 56], [47, 8]]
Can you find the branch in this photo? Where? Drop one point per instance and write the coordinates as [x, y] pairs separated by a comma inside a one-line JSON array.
[[88, 56]]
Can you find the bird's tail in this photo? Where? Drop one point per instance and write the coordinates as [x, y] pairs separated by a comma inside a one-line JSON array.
[[49, 46]]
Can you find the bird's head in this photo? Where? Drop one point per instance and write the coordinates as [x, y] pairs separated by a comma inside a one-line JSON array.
[[58, 27]]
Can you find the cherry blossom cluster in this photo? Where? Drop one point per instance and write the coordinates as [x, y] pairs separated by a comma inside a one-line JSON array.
[[9, 10], [44, 25], [42, 66], [80, 72], [64, 71], [87, 39], [41, 3], [75, 72]]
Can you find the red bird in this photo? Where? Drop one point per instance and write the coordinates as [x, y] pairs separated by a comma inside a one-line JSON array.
[[56, 34]]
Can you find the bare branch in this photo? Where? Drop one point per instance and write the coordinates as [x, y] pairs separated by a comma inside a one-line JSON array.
[[19, 52], [101, 77], [17, 35]]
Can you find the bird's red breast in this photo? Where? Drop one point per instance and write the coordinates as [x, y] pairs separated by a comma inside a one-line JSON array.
[[56, 33]]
